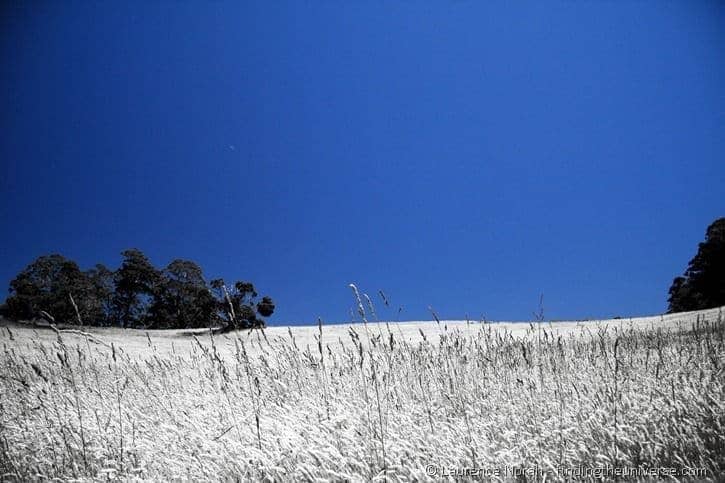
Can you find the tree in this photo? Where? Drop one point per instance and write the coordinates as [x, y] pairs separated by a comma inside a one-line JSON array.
[[182, 298], [265, 307], [48, 284], [137, 294], [135, 284], [100, 298], [243, 297], [703, 284], [239, 306]]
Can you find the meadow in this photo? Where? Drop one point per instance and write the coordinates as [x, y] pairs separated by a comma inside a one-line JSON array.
[[368, 401]]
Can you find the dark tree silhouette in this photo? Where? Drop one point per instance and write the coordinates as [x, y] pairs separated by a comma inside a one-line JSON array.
[[182, 299], [136, 295], [99, 299], [265, 307], [48, 284], [703, 284], [238, 305], [135, 284]]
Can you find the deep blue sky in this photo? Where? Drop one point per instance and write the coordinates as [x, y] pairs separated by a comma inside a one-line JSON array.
[[464, 155]]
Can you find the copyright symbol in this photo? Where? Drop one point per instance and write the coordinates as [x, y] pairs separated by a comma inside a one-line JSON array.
[[431, 470]]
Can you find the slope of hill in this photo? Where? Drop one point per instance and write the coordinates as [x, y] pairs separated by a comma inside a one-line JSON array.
[[407, 401]]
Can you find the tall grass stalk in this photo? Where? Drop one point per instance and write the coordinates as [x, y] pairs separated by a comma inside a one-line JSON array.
[[269, 406]]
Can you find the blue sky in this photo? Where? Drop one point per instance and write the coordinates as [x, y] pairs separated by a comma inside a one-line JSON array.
[[463, 155]]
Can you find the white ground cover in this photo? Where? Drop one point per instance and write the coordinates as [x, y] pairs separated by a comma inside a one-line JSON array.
[[365, 401]]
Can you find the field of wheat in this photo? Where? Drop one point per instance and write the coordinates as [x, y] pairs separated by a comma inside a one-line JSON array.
[[367, 402]]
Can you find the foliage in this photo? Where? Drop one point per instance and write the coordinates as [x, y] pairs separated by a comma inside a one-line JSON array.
[[239, 305], [265, 307], [100, 297], [136, 283], [703, 284], [48, 284], [181, 298], [135, 295]]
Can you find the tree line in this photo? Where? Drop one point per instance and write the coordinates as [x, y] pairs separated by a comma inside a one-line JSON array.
[[702, 286], [136, 295]]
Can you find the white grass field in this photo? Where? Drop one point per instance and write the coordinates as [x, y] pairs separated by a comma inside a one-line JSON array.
[[399, 402]]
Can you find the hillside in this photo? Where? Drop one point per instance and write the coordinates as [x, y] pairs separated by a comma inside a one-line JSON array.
[[408, 401]]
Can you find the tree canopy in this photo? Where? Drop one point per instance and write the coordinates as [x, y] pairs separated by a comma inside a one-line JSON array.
[[135, 295], [702, 286]]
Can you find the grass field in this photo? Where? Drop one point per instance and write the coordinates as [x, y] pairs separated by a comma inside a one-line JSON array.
[[408, 401]]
